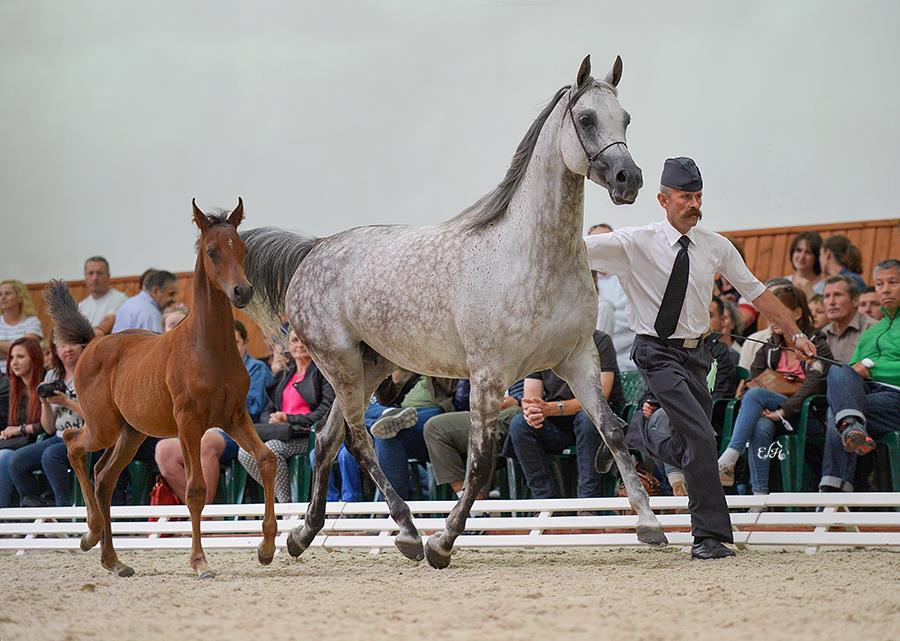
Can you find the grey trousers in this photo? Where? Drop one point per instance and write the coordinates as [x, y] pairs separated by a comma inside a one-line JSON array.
[[677, 378], [447, 439]]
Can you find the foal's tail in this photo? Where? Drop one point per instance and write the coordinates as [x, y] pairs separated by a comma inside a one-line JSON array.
[[69, 325], [273, 255]]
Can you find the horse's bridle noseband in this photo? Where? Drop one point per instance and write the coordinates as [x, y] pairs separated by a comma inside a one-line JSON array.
[[590, 159]]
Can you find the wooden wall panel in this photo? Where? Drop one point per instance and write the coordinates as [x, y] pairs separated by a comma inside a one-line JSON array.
[[766, 252]]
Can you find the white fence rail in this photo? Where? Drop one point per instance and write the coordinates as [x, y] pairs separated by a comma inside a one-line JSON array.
[[504, 524]]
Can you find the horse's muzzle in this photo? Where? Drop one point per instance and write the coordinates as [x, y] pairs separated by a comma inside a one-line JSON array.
[[624, 180], [241, 295]]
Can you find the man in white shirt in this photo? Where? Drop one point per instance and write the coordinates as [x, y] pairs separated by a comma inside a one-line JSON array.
[[103, 301], [667, 269]]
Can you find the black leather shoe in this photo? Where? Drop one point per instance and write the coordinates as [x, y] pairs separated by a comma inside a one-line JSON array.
[[603, 460], [710, 549]]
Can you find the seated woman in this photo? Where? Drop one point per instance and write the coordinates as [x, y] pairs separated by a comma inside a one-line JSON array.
[[763, 410], [804, 254], [18, 317], [839, 256], [396, 418], [59, 412], [300, 397], [21, 407], [216, 447]]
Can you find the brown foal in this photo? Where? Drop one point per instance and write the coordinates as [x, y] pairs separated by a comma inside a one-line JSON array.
[[136, 384]]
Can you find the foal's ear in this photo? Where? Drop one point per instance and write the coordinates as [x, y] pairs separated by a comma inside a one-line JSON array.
[[615, 74], [238, 214], [584, 72], [200, 218]]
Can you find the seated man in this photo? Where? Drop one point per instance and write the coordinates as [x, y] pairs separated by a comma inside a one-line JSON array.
[[144, 310], [396, 418], [103, 301], [553, 420], [447, 439], [858, 406], [869, 305], [845, 323]]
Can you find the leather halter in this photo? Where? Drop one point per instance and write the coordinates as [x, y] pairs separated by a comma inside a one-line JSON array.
[[590, 159]]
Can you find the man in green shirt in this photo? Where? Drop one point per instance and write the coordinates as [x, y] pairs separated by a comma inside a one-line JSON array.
[[858, 408]]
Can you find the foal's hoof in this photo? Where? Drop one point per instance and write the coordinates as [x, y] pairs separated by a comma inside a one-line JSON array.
[[438, 558], [120, 569], [265, 557], [294, 547], [205, 575], [651, 535], [89, 540], [410, 546]]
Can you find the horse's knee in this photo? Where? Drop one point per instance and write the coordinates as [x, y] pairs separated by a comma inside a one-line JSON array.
[[196, 493]]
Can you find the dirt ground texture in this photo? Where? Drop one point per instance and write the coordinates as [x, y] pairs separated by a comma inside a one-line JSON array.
[[620, 594]]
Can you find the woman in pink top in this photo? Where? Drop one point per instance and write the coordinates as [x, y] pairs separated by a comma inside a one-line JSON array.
[[299, 397], [763, 411]]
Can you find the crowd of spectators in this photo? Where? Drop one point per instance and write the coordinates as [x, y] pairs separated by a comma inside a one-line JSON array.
[[425, 419]]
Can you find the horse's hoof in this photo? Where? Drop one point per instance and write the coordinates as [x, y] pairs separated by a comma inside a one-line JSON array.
[[410, 546], [437, 557], [89, 540], [294, 548], [120, 569], [265, 557], [652, 535], [206, 574]]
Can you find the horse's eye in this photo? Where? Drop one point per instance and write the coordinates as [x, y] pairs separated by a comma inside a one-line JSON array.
[[587, 119], [210, 252], [627, 119]]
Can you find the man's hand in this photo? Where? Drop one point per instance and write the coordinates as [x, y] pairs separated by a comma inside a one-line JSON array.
[[806, 349], [647, 409], [278, 417], [508, 401], [774, 415], [535, 410], [861, 369]]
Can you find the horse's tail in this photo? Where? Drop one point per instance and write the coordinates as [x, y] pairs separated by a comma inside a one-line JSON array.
[[273, 255], [69, 324]]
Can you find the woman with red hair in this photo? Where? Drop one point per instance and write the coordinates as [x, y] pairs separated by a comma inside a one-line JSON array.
[[21, 406]]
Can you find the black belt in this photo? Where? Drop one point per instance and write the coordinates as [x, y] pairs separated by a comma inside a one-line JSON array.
[[684, 343]]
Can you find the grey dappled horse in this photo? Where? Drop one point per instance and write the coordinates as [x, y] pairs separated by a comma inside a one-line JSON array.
[[501, 290]]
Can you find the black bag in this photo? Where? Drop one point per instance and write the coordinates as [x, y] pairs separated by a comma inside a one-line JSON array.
[[280, 431], [14, 443]]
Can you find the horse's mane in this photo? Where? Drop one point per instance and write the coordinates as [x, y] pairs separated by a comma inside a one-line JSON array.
[[493, 205]]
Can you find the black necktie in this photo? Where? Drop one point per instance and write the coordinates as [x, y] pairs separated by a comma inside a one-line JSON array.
[[673, 299]]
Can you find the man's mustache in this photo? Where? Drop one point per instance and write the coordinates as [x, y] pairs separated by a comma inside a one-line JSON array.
[[693, 211]]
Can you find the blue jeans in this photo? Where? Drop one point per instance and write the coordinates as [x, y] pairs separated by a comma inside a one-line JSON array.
[[49, 455], [394, 453], [6, 482], [348, 471], [850, 396], [533, 447], [750, 426]]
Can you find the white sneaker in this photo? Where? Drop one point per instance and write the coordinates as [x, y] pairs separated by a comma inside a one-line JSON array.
[[393, 422]]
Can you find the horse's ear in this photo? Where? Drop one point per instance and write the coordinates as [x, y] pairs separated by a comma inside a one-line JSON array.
[[200, 218], [584, 72], [615, 74], [238, 214]]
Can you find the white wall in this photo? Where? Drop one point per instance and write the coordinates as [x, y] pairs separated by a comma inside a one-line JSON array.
[[327, 115]]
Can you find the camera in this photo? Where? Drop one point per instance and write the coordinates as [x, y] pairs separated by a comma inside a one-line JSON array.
[[46, 390]]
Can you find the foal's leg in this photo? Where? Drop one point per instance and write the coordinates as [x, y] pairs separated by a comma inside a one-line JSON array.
[[328, 442], [245, 434], [77, 442], [485, 401], [195, 494], [121, 454], [581, 370]]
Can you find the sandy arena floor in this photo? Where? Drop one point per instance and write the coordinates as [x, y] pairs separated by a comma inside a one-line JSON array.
[[620, 594]]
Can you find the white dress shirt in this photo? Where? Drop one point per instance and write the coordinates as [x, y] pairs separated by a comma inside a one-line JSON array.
[[642, 258], [611, 295]]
